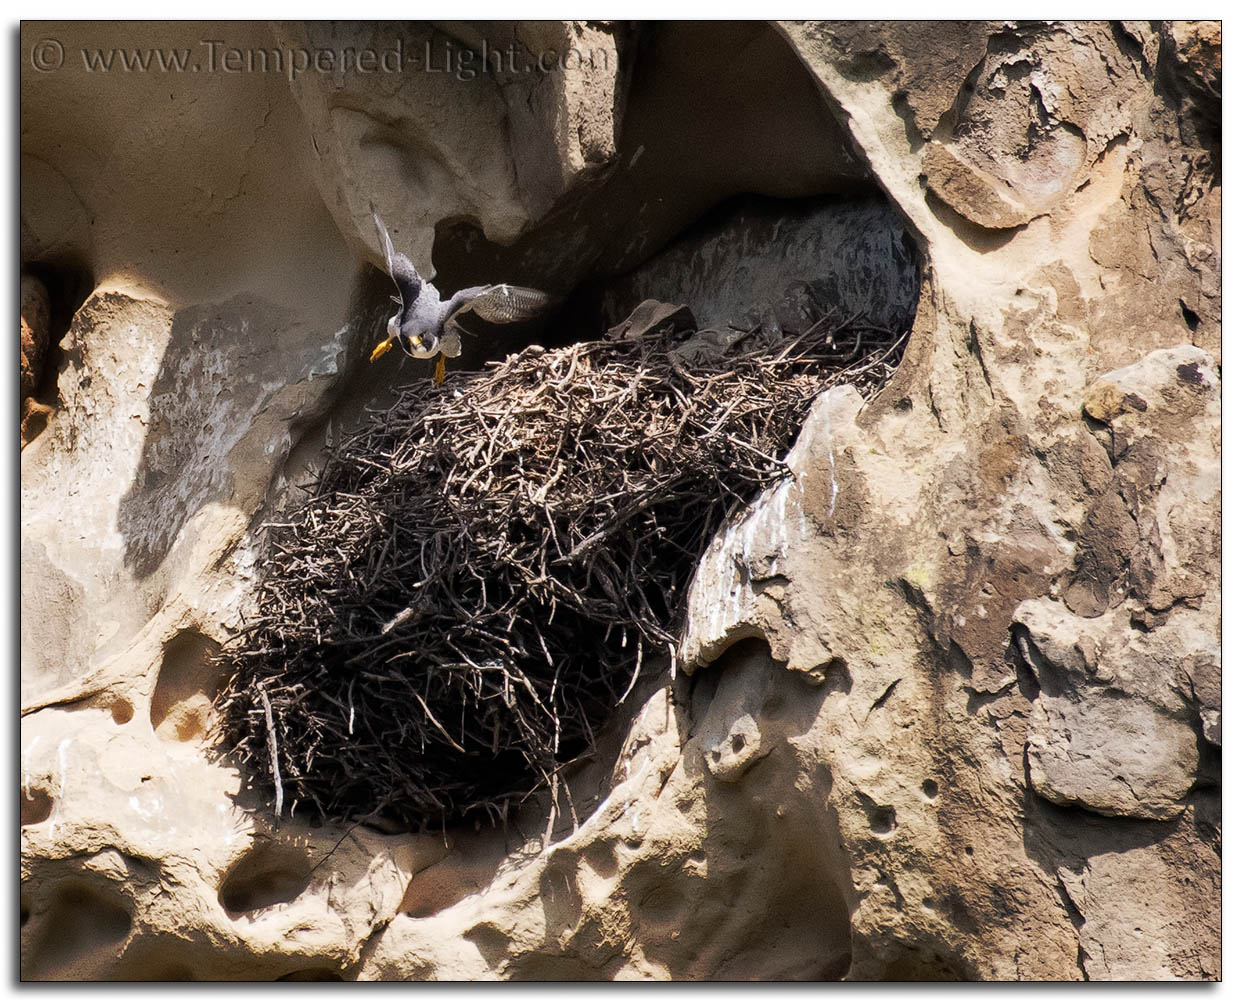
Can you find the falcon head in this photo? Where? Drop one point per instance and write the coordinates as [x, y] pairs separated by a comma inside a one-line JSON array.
[[420, 345]]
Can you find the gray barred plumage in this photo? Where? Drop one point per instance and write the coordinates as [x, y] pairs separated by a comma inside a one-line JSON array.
[[426, 327]]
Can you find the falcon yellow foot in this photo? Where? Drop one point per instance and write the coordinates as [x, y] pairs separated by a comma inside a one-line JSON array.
[[380, 348], [441, 373]]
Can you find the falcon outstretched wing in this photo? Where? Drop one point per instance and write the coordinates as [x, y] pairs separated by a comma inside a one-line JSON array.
[[400, 269], [499, 304]]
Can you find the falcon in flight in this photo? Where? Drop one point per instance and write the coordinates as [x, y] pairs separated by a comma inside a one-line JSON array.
[[425, 327]]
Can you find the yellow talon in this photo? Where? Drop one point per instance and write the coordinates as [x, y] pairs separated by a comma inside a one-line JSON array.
[[441, 374], [380, 348]]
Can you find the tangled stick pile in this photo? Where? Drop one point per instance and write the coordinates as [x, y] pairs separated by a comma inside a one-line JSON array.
[[471, 587]]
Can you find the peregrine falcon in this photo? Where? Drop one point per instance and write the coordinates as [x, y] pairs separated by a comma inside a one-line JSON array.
[[425, 327]]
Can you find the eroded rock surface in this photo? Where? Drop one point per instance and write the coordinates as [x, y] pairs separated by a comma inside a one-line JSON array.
[[946, 696], [767, 264]]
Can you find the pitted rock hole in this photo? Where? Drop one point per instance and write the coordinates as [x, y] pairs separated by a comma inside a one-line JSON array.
[[36, 806], [881, 817], [837, 676], [663, 905], [443, 884], [80, 928], [601, 857], [268, 875], [492, 943], [1190, 316], [187, 684]]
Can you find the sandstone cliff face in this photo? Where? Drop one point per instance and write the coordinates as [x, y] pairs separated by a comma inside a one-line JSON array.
[[948, 700]]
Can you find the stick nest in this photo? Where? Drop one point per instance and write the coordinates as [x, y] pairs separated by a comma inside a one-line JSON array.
[[471, 586]]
